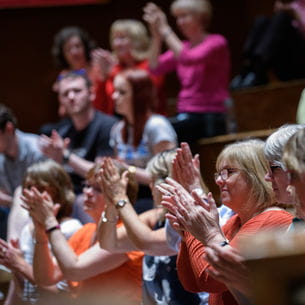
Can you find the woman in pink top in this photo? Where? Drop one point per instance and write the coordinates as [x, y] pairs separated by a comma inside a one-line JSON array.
[[202, 63]]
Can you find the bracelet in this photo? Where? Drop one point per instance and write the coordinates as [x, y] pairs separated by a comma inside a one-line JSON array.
[[132, 169], [167, 32], [105, 219], [42, 242], [66, 156], [49, 230]]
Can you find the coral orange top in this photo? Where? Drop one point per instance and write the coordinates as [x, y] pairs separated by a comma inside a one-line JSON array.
[[191, 261], [124, 282]]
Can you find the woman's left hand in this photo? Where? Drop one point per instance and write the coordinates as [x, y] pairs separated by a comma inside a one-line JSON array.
[[39, 205], [227, 266], [113, 185], [195, 214]]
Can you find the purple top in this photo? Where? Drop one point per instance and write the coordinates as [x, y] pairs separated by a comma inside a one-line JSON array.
[[299, 23], [203, 71]]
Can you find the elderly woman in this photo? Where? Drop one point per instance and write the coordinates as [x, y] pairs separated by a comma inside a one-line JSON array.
[[130, 43], [293, 158], [101, 275], [241, 168], [202, 64]]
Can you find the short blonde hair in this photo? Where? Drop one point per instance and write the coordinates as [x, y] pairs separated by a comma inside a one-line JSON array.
[[137, 33], [294, 153], [201, 7], [250, 158]]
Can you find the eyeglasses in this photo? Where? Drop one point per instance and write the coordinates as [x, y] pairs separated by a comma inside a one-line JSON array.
[[225, 173], [95, 188]]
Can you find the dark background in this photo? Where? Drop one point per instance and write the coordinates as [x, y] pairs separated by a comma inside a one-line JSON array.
[[27, 68]]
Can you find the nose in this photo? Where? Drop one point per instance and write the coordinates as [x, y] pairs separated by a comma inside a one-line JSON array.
[[114, 95], [268, 177], [71, 95], [219, 181]]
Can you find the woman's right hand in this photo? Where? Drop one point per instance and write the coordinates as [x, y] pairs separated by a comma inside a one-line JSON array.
[[40, 206], [156, 19], [103, 62]]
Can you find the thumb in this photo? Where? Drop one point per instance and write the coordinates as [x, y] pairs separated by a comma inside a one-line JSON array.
[[66, 142], [56, 208]]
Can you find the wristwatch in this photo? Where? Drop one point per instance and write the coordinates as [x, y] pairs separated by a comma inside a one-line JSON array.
[[66, 156], [121, 203]]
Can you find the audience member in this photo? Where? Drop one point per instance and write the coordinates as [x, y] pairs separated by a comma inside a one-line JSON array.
[[130, 43], [18, 150], [228, 265], [140, 134], [85, 136], [276, 45], [17, 255], [240, 177], [202, 63], [100, 274], [72, 50], [293, 158], [144, 232]]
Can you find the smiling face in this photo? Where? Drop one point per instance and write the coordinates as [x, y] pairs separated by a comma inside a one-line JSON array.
[[279, 180], [188, 22], [74, 95], [74, 53], [234, 190], [122, 96], [121, 45]]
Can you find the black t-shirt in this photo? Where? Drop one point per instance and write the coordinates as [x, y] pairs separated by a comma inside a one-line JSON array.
[[89, 143]]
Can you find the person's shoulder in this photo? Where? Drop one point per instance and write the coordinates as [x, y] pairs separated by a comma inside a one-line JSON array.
[[30, 140], [217, 38], [157, 119], [104, 118]]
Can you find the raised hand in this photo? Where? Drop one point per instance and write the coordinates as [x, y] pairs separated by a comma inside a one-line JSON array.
[[192, 212], [113, 185], [53, 147], [103, 61], [40, 206], [186, 169]]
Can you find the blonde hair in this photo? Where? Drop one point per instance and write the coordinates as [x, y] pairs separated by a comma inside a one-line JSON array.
[[294, 153], [137, 33], [50, 174], [200, 7], [249, 157]]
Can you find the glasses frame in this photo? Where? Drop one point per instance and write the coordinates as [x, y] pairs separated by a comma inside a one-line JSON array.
[[225, 173]]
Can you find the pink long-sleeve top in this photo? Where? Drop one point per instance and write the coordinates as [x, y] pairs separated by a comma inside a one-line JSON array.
[[203, 71]]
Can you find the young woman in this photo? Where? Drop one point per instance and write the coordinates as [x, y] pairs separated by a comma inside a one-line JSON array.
[[50, 178], [141, 133], [202, 64], [145, 232], [93, 273]]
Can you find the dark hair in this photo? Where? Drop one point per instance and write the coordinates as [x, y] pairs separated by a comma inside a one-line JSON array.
[[61, 38], [76, 74], [6, 115], [143, 100]]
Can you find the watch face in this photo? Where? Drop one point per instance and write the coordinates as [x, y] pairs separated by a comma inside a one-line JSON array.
[[121, 203]]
